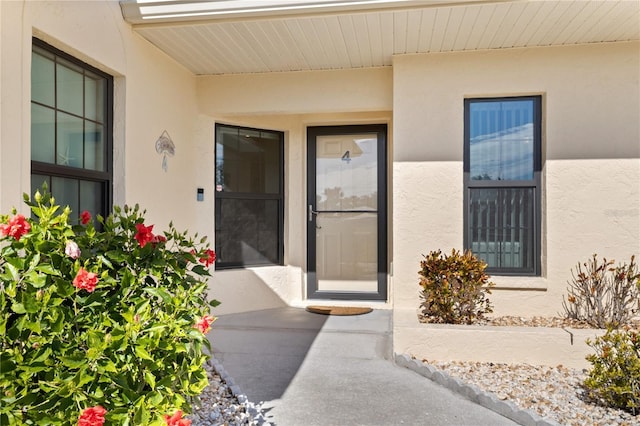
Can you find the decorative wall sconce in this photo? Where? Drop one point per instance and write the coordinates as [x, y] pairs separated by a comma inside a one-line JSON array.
[[166, 147]]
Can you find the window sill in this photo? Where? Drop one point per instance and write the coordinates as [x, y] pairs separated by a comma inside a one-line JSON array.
[[505, 282]]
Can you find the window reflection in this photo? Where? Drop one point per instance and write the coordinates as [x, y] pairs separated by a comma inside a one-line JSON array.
[[501, 140], [346, 172], [247, 160]]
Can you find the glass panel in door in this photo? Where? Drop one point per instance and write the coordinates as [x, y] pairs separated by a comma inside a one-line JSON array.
[[346, 223]]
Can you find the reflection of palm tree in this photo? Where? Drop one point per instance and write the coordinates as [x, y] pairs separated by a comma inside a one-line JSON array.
[[331, 199], [334, 199], [484, 176]]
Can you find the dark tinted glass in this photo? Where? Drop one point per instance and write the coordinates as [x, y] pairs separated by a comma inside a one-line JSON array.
[[247, 231], [247, 161]]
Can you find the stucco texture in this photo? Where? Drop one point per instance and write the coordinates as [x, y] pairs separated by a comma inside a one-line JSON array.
[[590, 153]]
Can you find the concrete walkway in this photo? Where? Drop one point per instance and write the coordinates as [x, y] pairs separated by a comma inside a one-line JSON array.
[[312, 369]]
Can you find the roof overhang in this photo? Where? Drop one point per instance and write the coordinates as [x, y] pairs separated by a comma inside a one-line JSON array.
[[256, 36]]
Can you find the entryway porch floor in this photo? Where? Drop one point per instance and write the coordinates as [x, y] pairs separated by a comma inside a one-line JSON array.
[[312, 369]]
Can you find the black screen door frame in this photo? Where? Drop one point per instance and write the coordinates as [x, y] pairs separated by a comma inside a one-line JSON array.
[[312, 211]]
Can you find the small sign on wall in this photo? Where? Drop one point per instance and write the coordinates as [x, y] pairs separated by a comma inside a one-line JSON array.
[[165, 147]]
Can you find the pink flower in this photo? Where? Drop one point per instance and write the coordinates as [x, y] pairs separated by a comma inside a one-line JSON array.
[[176, 419], [16, 228], [92, 416], [72, 250], [144, 234], [209, 259], [85, 280], [204, 323], [85, 217]]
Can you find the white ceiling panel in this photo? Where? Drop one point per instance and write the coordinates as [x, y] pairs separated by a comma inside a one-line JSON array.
[[344, 38]]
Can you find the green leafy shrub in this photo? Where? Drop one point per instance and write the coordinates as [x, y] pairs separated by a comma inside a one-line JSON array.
[[99, 325], [603, 295], [614, 379], [454, 288]]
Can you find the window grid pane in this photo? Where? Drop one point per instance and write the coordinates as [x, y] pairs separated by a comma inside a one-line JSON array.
[[70, 137], [43, 78], [43, 133], [70, 90]]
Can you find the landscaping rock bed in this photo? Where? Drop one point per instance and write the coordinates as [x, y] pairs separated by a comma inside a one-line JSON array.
[[553, 393]]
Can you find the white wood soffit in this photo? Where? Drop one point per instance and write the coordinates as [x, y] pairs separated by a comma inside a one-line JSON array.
[[368, 35]]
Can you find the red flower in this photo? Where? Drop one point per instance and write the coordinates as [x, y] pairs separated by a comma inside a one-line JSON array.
[[177, 420], [204, 323], [85, 280], [16, 228], [92, 416], [209, 259], [158, 239], [85, 217], [144, 234]]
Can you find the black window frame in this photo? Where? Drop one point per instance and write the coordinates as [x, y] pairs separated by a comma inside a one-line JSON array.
[[105, 178], [534, 183], [224, 195]]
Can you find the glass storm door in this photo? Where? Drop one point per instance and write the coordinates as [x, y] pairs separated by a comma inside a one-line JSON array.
[[346, 213]]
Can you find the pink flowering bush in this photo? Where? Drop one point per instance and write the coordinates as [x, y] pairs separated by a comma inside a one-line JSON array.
[[100, 324]]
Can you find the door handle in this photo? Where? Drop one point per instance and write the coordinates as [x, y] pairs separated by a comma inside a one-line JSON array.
[[311, 213]]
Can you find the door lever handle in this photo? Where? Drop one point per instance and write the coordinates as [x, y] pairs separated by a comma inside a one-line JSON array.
[[311, 213]]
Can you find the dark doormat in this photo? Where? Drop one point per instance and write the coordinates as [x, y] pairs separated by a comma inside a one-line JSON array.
[[338, 310]]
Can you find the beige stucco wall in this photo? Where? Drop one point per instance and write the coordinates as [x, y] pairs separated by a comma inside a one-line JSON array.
[[152, 94], [591, 159], [305, 92]]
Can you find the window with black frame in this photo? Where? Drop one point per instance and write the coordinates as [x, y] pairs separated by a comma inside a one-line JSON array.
[[502, 163], [249, 201], [71, 137]]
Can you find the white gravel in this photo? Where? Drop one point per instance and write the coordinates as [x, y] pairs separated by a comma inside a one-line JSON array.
[[221, 403], [554, 393]]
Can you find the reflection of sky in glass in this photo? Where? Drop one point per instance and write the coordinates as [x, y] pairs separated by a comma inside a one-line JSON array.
[[501, 145], [347, 182]]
